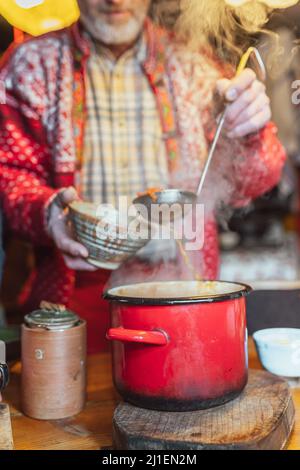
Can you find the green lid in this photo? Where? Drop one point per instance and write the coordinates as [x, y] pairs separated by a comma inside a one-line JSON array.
[[51, 317]]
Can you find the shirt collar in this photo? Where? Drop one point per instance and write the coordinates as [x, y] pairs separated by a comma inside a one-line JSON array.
[[156, 43]]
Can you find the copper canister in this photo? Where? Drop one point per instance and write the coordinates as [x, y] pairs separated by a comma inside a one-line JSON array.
[[53, 363]]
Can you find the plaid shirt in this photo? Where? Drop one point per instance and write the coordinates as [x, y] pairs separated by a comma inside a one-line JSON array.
[[124, 152]]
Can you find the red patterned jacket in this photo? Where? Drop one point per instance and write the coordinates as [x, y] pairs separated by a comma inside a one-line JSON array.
[[42, 124]]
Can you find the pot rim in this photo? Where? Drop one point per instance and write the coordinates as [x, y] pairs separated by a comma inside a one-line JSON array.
[[245, 290]]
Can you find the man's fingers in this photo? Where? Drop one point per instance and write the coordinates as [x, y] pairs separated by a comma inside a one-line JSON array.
[[253, 125], [250, 111], [239, 84], [71, 247], [68, 195], [74, 253], [232, 89], [245, 100], [222, 86], [78, 264]]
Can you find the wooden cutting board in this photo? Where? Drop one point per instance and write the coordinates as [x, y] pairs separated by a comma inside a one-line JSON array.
[[6, 439], [262, 417]]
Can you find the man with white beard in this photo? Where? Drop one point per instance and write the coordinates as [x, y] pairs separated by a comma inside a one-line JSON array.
[[108, 108]]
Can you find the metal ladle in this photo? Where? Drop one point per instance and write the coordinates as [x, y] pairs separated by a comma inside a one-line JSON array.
[[179, 197]]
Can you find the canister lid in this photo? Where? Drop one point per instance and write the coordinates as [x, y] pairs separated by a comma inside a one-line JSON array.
[[51, 317]]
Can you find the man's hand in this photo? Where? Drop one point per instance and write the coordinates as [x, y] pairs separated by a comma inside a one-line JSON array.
[[249, 109], [73, 252]]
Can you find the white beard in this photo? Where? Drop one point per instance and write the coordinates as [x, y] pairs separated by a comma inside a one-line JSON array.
[[114, 35]]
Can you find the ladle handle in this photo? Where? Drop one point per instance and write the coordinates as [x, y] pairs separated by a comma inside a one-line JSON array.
[[242, 65], [212, 151], [253, 54]]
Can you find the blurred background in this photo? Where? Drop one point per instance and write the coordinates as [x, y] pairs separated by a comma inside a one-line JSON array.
[[260, 244]]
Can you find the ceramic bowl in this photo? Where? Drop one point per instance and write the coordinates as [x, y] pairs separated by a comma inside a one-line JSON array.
[[109, 244], [279, 350]]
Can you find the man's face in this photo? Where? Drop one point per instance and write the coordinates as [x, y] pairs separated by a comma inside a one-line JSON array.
[[114, 22]]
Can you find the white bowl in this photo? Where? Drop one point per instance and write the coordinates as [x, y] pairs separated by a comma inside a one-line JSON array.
[[279, 350]]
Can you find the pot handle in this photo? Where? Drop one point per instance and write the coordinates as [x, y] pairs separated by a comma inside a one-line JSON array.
[[158, 338]]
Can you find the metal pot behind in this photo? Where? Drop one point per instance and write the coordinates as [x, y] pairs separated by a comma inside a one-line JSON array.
[[4, 374]]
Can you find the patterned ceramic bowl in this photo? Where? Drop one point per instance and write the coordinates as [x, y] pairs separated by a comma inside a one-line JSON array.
[[109, 243]]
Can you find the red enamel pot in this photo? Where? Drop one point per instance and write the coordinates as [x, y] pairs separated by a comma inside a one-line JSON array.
[[179, 346]]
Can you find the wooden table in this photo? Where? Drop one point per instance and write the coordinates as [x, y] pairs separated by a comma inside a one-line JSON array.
[[92, 428]]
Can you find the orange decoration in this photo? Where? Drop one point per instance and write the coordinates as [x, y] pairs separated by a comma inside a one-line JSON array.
[[18, 36], [151, 192]]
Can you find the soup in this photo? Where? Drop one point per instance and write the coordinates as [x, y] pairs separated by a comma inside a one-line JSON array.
[[176, 289]]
